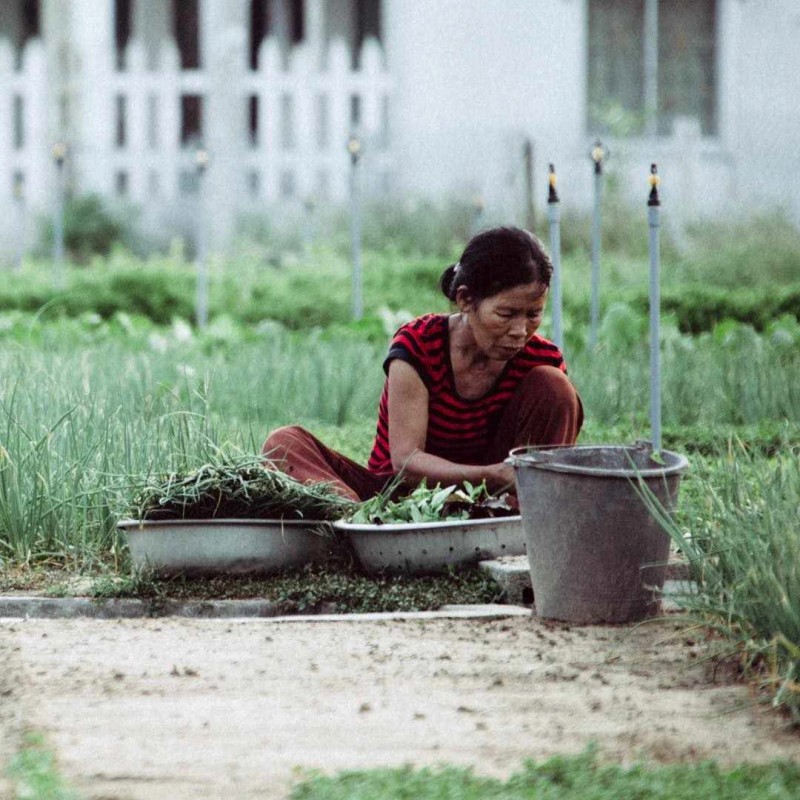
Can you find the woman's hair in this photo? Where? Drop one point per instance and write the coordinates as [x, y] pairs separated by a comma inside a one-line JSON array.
[[496, 260]]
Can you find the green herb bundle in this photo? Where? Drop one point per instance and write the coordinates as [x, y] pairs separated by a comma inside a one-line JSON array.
[[236, 489]]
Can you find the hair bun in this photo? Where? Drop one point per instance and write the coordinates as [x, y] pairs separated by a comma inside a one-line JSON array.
[[447, 281]]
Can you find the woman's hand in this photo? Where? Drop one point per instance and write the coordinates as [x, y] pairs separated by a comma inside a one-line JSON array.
[[500, 478]]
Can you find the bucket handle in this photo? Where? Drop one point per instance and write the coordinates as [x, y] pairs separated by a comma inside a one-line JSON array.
[[526, 455]]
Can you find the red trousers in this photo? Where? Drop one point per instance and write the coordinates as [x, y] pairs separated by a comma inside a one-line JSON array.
[[544, 410]]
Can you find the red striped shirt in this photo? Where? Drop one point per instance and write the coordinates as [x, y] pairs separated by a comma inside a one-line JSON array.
[[459, 429]]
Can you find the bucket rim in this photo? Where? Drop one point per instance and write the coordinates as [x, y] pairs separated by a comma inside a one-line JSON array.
[[525, 456]]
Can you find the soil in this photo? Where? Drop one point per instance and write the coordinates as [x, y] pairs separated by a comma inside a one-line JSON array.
[[166, 709]]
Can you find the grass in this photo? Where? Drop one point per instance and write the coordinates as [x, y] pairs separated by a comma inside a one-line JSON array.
[[87, 409], [742, 541], [34, 773], [580, 777], [337, 588]]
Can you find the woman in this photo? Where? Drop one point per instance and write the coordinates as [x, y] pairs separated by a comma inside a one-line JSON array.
[[462, 389]]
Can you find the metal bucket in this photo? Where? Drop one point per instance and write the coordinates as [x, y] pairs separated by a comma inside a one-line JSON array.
[[596, 553]]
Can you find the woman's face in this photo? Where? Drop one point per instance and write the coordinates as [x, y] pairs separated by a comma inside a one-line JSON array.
[[503, 324]]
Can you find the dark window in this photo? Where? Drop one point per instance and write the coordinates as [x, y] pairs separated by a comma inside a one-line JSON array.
[[616, 60], [252, 119], [368, 20], [681, 36], [187, 33], [258, 29], [31, 27], [297, 22], [122, 29], [687, 64], [191, 120]]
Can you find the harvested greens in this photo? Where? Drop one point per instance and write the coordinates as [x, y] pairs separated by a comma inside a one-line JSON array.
[[236, 489], [434, 505]]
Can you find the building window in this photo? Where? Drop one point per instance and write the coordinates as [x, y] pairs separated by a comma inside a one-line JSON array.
[[122, 30], [191, 120], [252, 120], [650, 61], [282, 19], [367, 21], [187, 32]]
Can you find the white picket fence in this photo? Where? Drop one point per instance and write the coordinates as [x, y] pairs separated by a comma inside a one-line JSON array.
[[276, 134]]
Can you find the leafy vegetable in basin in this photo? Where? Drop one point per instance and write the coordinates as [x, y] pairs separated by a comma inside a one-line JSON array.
[[435, 504]]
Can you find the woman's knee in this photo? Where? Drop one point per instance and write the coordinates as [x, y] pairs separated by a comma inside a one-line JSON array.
[[553, 402], [282, 440], [552, 384]]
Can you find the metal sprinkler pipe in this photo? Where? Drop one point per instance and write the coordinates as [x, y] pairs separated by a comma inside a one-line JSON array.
[[19, 200], [59, 157], [354, 149], [654, 221], [202, 159], [598, 154], [554, 215]]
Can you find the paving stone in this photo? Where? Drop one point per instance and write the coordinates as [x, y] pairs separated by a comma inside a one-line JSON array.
[[512, 573]]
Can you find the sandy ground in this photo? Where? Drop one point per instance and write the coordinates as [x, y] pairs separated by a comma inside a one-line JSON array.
[[171, 709]]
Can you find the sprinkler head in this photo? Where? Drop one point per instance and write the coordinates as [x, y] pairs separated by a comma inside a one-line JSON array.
[[552, 196], [202, 158], [654, 181], [354, 147], [59, 153], [599, 154]]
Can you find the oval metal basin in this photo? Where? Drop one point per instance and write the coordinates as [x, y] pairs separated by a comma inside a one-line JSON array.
[[430, 547], [229, 546]]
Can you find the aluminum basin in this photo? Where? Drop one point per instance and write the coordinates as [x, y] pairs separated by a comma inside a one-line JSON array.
[[430, 547], [229, 546]]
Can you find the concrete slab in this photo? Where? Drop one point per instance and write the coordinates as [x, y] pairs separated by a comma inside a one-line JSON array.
[[488, 611], [512, 574]]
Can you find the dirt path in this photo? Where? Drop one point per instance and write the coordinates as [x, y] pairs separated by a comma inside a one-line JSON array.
[[172, 709]]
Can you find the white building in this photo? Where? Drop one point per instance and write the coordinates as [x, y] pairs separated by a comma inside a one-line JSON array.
[[444, 94]]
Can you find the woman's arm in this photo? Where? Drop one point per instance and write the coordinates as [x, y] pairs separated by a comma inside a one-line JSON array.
[[408, 430]]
